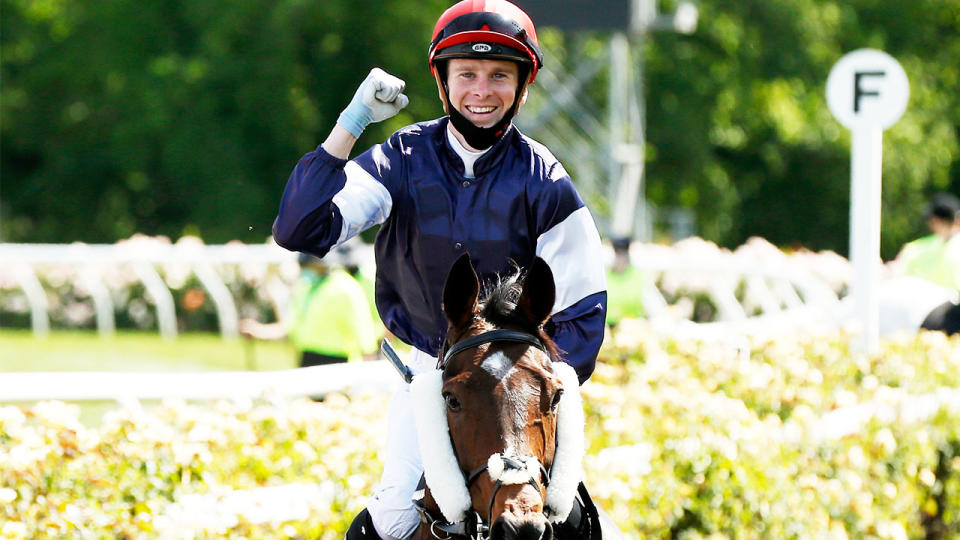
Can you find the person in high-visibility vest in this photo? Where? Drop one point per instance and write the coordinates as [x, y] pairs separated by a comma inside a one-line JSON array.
[[625, 285], [935, 257], [329, 318], [922, 290]]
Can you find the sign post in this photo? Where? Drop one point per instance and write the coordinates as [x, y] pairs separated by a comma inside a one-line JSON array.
[[867, 91]]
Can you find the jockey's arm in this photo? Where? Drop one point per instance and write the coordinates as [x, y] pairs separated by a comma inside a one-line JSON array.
[[322, 206], [339, 142], [329, 200], [572, 249], [578, 331]]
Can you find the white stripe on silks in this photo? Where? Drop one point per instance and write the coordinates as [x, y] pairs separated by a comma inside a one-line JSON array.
[[363, 202], [440, 466], [567, 471], [565, 247]]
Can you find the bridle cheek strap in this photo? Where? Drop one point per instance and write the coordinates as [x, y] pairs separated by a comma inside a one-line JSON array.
[[440, 467], [567, 470]]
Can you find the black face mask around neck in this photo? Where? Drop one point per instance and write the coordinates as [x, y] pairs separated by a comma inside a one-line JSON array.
[[479, 138]]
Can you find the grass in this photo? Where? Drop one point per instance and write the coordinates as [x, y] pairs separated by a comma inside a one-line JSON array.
[[138, 351], [134, 351]]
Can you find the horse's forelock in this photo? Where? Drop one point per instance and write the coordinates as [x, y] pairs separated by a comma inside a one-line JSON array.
[[498, 306], [499, 299]]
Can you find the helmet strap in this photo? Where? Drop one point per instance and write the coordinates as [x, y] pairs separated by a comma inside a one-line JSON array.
[[478, 137]]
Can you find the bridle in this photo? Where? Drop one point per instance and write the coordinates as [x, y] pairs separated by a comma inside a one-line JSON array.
[[500, 334], [474, 527]]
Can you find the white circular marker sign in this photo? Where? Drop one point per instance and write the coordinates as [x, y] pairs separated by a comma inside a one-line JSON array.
[[867, 91], [867, 88]]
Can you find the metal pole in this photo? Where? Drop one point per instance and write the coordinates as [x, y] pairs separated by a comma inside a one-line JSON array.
[[639, 120], [627, 102], [623, 192]]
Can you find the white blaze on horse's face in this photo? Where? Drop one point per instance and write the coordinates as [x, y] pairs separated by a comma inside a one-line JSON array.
[[500, 367], [497, 365], [521, 394], [517, 393]]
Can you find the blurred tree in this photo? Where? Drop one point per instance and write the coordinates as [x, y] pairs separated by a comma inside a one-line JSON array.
[[165, 116], [739, 128]]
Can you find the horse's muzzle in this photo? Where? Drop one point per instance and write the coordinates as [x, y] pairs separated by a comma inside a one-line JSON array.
[[505, 528]]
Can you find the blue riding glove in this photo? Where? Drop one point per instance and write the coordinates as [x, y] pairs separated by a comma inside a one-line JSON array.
[[379, 97]]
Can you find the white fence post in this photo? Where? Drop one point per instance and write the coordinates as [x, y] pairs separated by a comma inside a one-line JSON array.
[[226, 308], [18, 263], [39, 317], [93, 280], [166, 313]]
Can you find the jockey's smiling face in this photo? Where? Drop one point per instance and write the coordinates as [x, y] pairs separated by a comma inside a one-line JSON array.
[[483, 91]]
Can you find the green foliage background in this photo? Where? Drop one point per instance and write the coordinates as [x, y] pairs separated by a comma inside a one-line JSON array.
[[174, 116], [740, 128]]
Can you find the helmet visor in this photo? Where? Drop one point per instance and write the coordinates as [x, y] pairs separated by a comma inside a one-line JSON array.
[[483, 49]]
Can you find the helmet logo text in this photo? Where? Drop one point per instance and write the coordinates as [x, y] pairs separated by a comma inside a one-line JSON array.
[[481, 48]]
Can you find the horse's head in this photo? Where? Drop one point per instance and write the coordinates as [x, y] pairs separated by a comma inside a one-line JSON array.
[[501, 399]]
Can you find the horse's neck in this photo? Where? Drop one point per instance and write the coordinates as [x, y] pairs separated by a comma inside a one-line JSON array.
[[430, 503]]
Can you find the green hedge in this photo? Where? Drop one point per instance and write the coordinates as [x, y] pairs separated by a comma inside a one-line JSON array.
[[732, 443], [685, 440], [62, 480]]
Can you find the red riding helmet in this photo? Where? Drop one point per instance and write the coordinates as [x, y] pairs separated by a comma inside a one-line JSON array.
[[494, 29]]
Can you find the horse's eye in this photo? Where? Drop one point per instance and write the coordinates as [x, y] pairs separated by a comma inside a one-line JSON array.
[[556, 399], [453, 404]]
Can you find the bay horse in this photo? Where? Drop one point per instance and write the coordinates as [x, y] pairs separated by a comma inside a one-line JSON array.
[[500, 425]]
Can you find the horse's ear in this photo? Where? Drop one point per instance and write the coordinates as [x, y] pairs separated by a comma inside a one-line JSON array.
[[538, 293], [461, 292]]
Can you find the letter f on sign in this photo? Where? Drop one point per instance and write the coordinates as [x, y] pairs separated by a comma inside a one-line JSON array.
[[859, 92]]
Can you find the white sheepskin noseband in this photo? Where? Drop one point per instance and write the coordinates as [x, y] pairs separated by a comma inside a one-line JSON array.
[[567, 470], [499, 472], [443, 473], [440, 466]]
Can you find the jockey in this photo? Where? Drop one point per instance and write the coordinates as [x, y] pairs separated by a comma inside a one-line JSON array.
[[466, 182]]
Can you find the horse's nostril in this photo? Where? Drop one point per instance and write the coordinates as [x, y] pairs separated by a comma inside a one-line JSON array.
[[505, 529], [501, 530], [534, 531]]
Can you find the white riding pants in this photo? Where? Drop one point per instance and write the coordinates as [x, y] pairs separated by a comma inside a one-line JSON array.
[[391, 506]]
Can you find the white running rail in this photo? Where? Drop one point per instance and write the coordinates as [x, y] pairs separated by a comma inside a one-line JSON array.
[[143, 258], [766, 280], [130, 387]]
